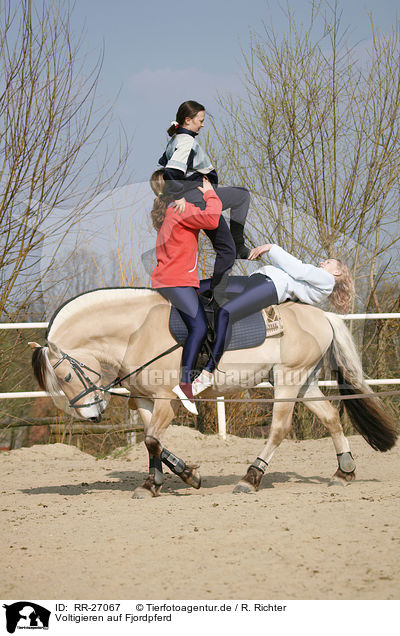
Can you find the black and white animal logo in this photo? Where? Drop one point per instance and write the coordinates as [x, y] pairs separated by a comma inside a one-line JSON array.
[[26, 615]]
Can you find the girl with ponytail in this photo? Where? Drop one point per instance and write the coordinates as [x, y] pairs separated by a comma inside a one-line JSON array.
[[185, 164]]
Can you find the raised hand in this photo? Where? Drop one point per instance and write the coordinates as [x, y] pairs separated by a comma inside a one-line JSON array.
[[206, 186], [256, 252]]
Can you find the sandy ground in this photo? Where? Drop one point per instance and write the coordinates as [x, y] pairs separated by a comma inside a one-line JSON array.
[[71, 530]]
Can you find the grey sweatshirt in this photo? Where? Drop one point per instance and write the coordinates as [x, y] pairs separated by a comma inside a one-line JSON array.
[[295, 280]]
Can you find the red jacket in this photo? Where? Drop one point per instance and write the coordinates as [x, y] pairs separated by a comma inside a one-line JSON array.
[[176, 245]]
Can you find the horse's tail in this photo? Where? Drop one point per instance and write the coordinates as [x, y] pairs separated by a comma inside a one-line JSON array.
[[366, 414]]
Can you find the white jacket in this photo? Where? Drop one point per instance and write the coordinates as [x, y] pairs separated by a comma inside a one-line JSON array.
[[295, 280]]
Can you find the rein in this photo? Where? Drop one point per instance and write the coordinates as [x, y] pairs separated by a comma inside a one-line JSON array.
[[89, 386]]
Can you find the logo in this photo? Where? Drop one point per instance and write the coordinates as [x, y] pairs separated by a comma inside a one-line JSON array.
[[26, 615]]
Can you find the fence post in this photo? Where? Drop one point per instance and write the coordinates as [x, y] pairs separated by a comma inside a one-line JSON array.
[[134, 422], [221, 416]]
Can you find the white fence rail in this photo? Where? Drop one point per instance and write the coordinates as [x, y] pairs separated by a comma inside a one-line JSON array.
[[221, 415]]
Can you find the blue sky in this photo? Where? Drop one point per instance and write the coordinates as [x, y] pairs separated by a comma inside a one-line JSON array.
[[158, 53]]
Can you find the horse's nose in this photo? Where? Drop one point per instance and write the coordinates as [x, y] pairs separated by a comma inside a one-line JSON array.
[[95, 419]]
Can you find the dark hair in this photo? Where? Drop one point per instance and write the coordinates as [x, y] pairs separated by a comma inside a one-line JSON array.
[[162, 201], [190, 108]]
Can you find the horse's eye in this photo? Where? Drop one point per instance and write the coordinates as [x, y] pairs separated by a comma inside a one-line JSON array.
[[68, 377]]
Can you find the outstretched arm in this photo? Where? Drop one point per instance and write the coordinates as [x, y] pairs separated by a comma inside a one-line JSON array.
[[207, 219], [293, 266]]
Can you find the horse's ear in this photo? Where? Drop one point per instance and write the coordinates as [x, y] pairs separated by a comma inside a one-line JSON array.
[[54, 349], [34, 345]]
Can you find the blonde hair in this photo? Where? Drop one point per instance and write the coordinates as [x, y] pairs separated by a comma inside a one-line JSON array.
[[343, 292], [162, 201]]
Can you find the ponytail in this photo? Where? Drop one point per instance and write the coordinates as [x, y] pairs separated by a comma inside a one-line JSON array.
[[158, 212], [173, 128], [162, 200]]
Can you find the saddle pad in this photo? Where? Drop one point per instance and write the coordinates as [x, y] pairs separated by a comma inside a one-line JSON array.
[[246, 333]]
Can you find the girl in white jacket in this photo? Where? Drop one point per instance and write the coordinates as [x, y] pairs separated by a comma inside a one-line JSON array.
[[286, 279]]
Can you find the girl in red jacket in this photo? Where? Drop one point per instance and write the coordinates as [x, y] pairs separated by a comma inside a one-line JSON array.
[[176, 276]]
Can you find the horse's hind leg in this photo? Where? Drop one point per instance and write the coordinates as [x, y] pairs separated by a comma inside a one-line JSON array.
[[329, 416], [281, 422]]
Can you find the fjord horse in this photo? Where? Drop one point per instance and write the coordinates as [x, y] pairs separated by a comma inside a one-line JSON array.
[[109, 333]]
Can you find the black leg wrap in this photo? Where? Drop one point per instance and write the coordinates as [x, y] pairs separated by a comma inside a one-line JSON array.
[[156, 470], [173, 462], [260, 464]]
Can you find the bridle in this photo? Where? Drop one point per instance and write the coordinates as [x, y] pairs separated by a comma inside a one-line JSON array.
[[89, 386]]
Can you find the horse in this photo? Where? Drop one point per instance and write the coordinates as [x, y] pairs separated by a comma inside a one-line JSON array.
[[121, 336]]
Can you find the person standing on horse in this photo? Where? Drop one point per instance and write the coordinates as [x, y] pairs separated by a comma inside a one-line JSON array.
[[176, 275], [185, 164], [286, 279]]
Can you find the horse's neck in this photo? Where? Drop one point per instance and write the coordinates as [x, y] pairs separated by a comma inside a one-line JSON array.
[[107, 323]]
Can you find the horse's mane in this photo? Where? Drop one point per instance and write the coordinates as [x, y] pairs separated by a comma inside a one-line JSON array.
[[84, 301], [44, 373], [47, 379]]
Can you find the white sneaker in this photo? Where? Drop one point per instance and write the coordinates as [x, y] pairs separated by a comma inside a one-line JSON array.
[[201, 383], [187, 403]]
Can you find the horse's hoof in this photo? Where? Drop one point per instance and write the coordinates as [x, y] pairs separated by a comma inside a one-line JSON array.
[[147, 489], [191, 477], [342, 478], [245, 487], [250, 483], [195, 479], [142, 493]]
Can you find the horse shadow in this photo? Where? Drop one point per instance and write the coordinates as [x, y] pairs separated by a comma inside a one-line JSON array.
[[129, 480]]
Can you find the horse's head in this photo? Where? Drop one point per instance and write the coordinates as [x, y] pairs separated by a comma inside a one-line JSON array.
[[78, 379]]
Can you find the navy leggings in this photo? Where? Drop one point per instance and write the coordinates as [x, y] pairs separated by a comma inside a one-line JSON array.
[[186, 301], [225, 242], [253, 293]]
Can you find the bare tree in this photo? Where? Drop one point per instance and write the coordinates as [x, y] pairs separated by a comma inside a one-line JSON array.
[[315, 139], [54, 158]]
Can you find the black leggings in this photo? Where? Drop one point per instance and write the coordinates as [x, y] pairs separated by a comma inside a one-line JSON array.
[[186, 301], [253, 294]]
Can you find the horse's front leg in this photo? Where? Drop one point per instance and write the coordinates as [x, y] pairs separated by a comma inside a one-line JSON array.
[[159, 455], [156, 420], [151, 487], [281, 422], [187, 472]]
